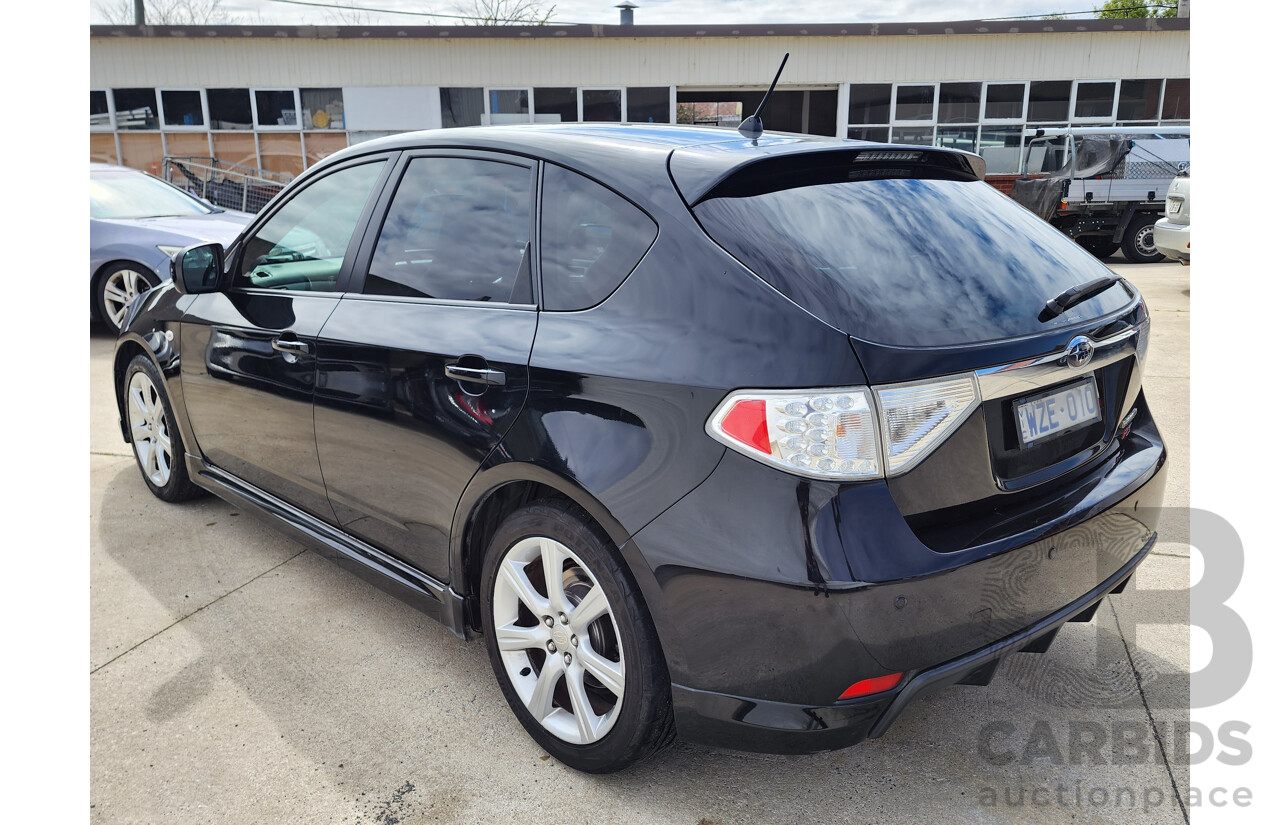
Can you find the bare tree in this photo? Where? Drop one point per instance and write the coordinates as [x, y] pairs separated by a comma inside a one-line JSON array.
[[504, 12], [168, 12]]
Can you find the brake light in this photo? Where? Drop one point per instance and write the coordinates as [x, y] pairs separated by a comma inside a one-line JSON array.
[[877, 684], [845, 433], [826, 433]]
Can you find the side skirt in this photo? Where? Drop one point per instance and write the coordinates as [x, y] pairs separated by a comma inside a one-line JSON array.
[[436, 599]]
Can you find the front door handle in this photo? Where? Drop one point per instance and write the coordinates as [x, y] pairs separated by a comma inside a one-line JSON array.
[[492, 378], [290, 346]]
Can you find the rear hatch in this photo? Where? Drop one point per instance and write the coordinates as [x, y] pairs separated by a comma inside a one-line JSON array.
[[932, 272]]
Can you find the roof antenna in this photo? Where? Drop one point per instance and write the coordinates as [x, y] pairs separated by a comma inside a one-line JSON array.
[[753, 127]]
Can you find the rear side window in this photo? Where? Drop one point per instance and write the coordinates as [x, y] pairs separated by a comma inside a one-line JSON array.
[[591, 240], [457, 229], [900, 259]]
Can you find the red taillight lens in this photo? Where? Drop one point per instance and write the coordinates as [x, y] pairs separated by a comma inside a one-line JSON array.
[[746, 422], [869, 686]]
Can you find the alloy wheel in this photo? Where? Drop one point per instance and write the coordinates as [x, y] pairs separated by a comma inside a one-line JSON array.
[[118, 291], [558, 640], [150, 429]]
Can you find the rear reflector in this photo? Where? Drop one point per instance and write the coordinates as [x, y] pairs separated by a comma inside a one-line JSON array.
[[869, 686]]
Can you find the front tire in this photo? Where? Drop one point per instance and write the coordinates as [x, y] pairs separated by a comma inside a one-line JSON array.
[[116, 288], [571, 643], [1139, 244], [157, 444]]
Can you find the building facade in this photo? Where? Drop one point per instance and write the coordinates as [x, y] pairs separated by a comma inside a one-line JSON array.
[[282, 98]]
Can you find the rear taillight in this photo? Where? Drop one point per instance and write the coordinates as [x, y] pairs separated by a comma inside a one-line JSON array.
[[828, 434], [846, 433]]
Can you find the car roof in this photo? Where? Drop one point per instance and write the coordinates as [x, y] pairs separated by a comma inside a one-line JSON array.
[[629, 154]]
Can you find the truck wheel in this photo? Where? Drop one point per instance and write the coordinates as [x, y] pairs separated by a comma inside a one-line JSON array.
[[1139, 244], [1099, 245]]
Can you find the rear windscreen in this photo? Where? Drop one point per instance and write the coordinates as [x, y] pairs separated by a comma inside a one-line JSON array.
[[902, 260]]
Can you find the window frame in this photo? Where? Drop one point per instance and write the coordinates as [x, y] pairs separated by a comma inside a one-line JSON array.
[[352, 287], [253, 107], [894, 120], [1115, 101], [115, 116], [235, 256], [204, 109], [1005, 121]]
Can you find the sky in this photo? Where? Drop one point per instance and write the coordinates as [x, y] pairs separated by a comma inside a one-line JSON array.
[[652, 12]]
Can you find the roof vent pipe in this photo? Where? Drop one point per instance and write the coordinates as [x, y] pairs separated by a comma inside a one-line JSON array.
[[627, 15]]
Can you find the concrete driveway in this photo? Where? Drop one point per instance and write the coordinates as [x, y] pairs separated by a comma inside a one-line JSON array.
[[237, 678]]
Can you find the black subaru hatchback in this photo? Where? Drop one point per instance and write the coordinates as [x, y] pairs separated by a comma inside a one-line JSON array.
[[752, 441]]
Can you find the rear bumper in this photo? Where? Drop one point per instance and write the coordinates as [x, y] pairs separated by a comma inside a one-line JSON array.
[[1173, 240], [768, 612], [778, 727]]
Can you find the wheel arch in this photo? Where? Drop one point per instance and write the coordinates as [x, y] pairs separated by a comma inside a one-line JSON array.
[[495, 493], [95, 281]]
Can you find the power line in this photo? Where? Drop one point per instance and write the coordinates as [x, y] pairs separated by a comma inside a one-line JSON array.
[[414, 13], [1087, 11]]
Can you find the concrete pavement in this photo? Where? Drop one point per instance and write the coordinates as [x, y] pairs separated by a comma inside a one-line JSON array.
[[237, 678]]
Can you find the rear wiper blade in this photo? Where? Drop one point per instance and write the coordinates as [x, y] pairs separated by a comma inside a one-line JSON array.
[[1077, 294]]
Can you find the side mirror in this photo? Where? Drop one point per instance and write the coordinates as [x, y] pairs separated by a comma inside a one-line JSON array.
[[198, 269]]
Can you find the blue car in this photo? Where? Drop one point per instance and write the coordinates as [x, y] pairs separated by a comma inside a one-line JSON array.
[[136, 223]]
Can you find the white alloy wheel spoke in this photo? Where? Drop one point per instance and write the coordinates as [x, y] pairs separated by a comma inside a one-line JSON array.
[[553, 559], [593, 606], [116, 294], [515, 637], [514, 576], [582, 712], [608, 673], [544, 691]]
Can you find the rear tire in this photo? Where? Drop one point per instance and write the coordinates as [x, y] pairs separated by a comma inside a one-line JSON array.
[[1139, 244], [1099, 246], [579, 661]]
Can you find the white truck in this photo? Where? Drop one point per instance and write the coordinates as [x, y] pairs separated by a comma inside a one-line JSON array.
[[1105, 186]]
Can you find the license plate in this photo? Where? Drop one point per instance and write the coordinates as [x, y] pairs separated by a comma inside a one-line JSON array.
[[1174, 206], [1058, 412]]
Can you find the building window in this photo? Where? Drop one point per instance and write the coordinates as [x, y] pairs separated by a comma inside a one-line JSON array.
[[964, 138], [913, 103], [959, 102], [1001, 147], [322, 109], [915, 135], [602, 105], [555, 105], [461, 107], [508, 106], [229, 109], [1049, 100], [1139, 100], [1004, 101], [99, 112], [182, 107], [135, 108], [276, 108], [1095, 100], [1177, 100], [875, 134], [869, 103], [649, 104]]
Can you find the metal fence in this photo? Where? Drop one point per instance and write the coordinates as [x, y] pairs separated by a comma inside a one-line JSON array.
[[228, 185]]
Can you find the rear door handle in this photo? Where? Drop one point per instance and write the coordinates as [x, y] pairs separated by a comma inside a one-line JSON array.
[[290, 346], [492, 378]]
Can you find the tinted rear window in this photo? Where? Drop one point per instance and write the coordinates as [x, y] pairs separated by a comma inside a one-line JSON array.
[[901, 260]]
